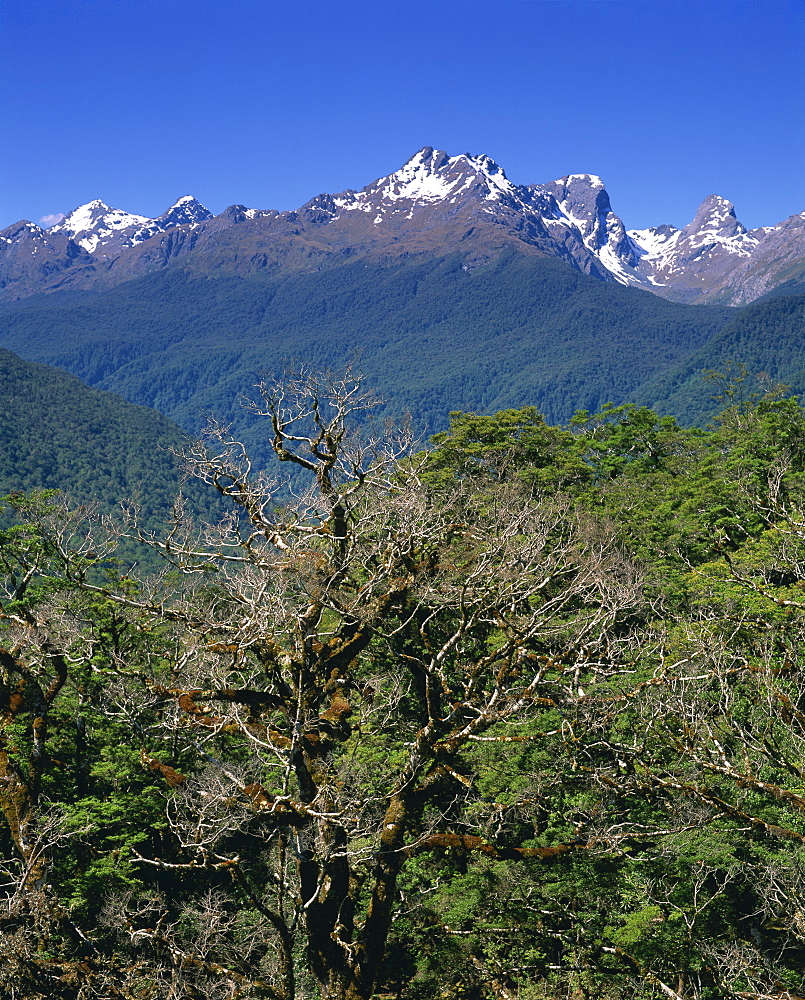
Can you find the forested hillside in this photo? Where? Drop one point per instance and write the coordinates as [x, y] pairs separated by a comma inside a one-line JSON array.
[[56, 433], [766, 337], [519, 716], [431, 335]]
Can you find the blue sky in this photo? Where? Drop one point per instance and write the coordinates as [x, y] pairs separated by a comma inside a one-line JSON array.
[[268, 103]]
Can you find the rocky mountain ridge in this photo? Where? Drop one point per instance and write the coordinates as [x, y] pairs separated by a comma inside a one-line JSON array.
[[106, 231], [435, 203]]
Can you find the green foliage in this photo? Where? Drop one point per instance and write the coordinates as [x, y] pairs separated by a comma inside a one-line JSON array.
[[765, 335], [512, 444], [433, 336], [666, 765], [59, 434]]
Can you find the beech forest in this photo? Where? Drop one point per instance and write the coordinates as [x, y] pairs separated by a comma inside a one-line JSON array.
[[515, 713]]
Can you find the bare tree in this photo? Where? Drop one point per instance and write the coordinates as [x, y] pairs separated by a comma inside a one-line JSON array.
[[361, 640]]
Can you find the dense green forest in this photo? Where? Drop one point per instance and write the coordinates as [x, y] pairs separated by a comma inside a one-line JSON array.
[[767, 336], [94, 446], [518, 716], [433, 336], [57, 432]]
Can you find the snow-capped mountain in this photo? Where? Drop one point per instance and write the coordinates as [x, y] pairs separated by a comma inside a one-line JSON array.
[[778, 257], [431, 177], [689, 263], [583, 206], [32, 259], [93, 225], [434, 204], [430, 189], [469, 197], [102, 230]]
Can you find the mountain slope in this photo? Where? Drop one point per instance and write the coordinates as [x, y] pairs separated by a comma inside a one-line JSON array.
[[57, 433], [433, 205], [431, 334], [766, 337], [34, 259]]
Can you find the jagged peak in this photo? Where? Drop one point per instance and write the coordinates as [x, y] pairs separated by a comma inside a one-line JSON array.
[[431, 176], [580, 192], [714, 209], [715, 217], [585, 186], [438, 161], [81, 214], [716, 201], [589, 180], [582, 201], [95, 204], [240, 213], [427, 156], [186, 209], [17, 228]]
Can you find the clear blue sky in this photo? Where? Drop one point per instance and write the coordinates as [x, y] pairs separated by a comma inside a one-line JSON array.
[[268, 102]]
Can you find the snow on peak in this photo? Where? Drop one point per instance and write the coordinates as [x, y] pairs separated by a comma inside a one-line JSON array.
[[582, 203], [89, 224], [95, 225], [714, 230], [431, 176], [592, 180], [656, 244], [82, 218], [713, 212], [186, 209], [715, 223]]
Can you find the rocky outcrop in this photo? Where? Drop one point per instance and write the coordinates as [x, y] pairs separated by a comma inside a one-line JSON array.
[[435, 202]]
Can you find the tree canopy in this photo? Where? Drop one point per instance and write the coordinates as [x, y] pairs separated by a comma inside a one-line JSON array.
[[520, 715]]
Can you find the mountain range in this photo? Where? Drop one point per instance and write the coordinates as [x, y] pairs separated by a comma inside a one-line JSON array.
[[453, 288], [435, 201]]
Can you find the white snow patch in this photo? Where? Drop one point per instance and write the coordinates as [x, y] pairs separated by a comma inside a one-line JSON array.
[[418, 181], [614, 265], [575, 221], [585, 227], [592, 179], [98, 220], [742, 245], [652, 244]]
